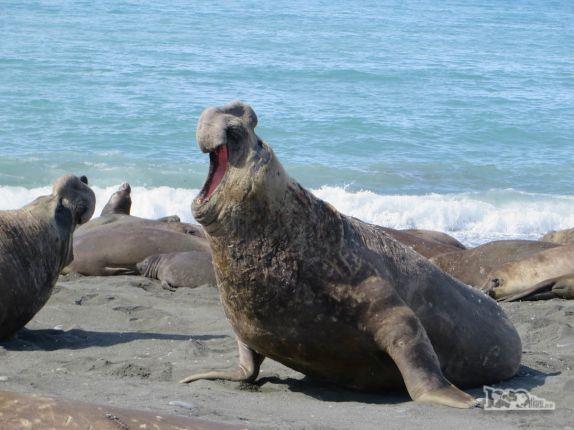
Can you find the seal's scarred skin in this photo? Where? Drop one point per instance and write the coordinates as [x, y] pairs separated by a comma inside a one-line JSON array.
[[331, 296], [35, 245]]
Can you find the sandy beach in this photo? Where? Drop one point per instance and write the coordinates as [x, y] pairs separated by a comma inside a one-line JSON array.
[[126, 341]]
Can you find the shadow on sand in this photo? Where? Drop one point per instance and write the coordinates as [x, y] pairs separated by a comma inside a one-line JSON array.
[[52, 340], [328, 392], [526, 378]]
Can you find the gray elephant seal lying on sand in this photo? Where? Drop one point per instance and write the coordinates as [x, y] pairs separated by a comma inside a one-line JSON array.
[[118, 209], [516, 278], [35, 244], [20, 412], [116, 249], [328, 295], [179, 269], [472, 266]]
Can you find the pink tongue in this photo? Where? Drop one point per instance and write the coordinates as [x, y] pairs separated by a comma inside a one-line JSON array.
[[219, 170]]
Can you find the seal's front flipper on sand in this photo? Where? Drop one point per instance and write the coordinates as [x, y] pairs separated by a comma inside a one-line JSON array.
[[167, 286], [247, 371], [398, 331], [117, 271], [561, 287]]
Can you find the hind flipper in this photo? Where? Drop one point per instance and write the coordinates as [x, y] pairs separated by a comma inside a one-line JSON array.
[[399, 333]]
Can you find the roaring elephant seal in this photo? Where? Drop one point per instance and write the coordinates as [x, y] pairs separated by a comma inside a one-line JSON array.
[[117, 248], [472, 266], [35, 244], [328, 295], [437, 236], [22, 411], [117, 211], [562, 237], [425, 246], [179, 269], [518, 277]]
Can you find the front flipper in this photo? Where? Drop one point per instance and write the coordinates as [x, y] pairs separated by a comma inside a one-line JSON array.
[[561, 287], [564, 288], [247, 370], [117, 271], [167, 286], [398, 331]]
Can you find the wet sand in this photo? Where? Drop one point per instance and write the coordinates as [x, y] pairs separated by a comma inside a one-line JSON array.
[[125, 341]]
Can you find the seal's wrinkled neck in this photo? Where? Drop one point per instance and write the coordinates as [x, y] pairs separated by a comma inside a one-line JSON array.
[[149, 267], [280, 216], [48, 215]]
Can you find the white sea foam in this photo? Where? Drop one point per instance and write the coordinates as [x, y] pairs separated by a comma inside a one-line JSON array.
[[146, 202], [473, 218]]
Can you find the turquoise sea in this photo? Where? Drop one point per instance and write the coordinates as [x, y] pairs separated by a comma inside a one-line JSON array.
[[452, 115]]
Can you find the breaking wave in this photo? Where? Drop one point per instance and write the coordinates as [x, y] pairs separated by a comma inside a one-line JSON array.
[[473, 217]]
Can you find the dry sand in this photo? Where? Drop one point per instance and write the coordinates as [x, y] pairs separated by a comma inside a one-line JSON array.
[[125, 341]]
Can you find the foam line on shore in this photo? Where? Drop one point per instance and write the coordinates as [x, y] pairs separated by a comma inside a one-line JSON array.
[[473, 218]]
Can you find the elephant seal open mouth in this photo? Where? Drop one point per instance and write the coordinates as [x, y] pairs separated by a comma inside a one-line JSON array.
[[329, 295]]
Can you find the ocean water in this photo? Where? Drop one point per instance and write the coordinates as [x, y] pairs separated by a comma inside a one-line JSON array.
[[451, 115]]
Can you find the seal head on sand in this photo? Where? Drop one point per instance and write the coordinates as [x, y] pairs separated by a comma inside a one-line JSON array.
[[35, 245], [518, 277], [472, 266], [328, 295]]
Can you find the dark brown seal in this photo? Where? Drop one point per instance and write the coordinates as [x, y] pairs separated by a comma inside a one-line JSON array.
[[331, 296], [35, 244], [21, 412], [472, 266]]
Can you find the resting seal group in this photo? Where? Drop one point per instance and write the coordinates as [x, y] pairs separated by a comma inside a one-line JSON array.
[[331, 296]]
